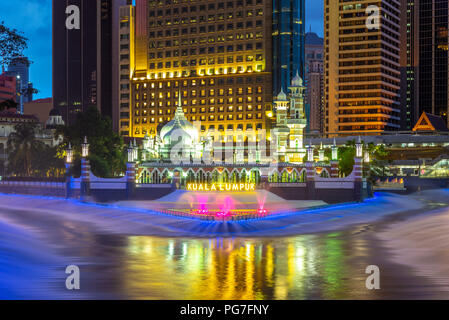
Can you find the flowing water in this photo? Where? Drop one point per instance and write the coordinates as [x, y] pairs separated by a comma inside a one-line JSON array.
[[36, 247]]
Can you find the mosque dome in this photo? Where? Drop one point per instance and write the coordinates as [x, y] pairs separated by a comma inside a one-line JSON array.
[[282, 96], [179, 127], [297, 81], [54, 119]]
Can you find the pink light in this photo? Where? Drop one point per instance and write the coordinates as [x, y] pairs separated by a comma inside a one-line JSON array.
[[223, 214]]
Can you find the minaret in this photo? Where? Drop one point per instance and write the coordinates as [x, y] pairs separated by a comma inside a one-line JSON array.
[[281, 103], [297, 97], [297, 121], [281, 131]]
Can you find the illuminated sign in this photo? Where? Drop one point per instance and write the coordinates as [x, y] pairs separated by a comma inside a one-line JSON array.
[[236, 187]]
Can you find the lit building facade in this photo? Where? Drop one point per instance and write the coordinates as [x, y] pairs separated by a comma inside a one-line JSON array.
[[288, 42], [85, 60], [424, 60], [362, 70], [218, 56], [180, 141], [314, 82]]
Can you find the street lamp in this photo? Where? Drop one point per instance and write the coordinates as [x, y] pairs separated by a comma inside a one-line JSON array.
[[367, 157], [310, 152], [69, 151], [130, 152], [334, 151], [359, 148], [321, 153], [85, 148]]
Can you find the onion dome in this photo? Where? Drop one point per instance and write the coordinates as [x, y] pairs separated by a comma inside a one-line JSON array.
[[179, 127], [297, 81], [281, 96]]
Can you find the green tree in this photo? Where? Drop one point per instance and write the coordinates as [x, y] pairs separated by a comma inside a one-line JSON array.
[[346, 154], [106, 148], [46, 164], [22, 148], [12, 44]]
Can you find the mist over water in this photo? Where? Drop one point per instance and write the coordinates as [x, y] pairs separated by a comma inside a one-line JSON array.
[[122, 253]]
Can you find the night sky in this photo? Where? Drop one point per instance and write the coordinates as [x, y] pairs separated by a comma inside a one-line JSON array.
[[33, 18]]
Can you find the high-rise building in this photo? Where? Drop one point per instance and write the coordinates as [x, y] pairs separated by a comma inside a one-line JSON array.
[[213, 57], [127, 51], [84, 60], [288, 42], [216, 54], [314, 78], [362, 70], [20, 68], [424, 60]]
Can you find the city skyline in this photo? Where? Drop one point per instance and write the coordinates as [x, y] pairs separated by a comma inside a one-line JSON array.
[[34, 20]]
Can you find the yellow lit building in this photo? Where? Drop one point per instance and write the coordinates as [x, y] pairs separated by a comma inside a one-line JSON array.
[[216, 55], [362, 70]]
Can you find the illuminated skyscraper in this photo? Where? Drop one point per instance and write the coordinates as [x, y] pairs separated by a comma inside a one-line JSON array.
[[216, 54], [288, 42], [362, 70], [424, 60]]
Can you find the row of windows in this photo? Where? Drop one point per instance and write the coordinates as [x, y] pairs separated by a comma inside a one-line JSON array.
[[201, 93], [202, 61], [230, 117], [211, 17], [208, 72], [194, 110], [202, 29], [194, 41], [194, 102], [204, 50], [220, 5]]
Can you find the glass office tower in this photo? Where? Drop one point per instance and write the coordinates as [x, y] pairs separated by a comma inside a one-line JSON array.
[[288, 42]]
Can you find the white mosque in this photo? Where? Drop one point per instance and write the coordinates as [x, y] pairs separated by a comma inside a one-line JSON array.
[[180, 139]]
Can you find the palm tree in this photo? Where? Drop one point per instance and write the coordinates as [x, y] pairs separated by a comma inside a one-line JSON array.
[[22, 146]]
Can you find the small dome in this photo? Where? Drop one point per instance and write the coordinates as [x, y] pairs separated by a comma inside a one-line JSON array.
[[297, 81], [189, 131], [281, 96]]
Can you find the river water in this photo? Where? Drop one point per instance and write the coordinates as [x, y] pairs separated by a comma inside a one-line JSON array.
[[35, 252]]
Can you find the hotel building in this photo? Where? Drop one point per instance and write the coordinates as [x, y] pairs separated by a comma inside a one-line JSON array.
[[362, 71], [217, 55]]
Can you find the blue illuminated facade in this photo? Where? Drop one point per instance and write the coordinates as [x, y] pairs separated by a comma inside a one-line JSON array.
[[288, 42]]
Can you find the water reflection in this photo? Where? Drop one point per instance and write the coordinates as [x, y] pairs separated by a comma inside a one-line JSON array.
[[293, 268]]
